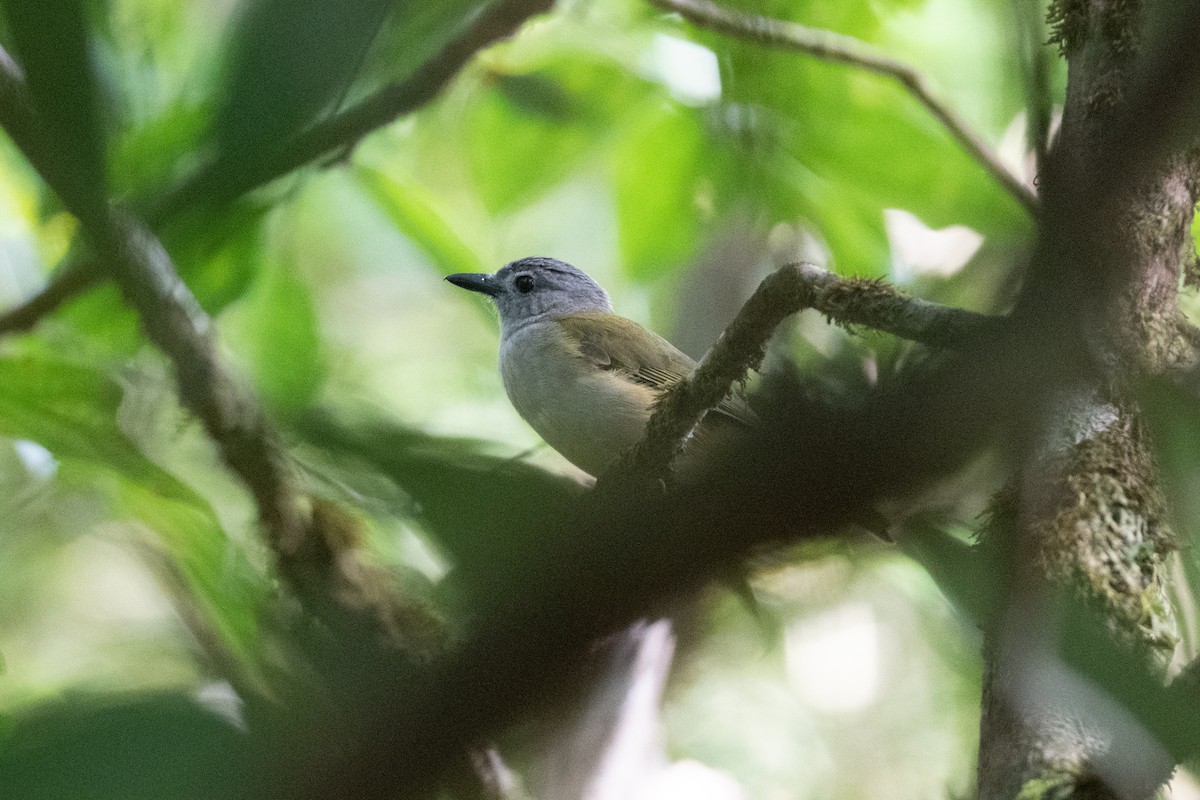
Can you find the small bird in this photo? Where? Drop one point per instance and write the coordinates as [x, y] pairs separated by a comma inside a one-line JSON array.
[[584, 378]]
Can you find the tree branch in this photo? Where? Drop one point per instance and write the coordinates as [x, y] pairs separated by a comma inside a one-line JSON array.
[[175, 323], [841, 49], [786, 291]]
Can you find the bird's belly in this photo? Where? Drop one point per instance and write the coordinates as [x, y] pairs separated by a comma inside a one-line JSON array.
[[588, 415]]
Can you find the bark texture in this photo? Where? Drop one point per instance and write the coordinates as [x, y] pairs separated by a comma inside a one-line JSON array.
[[1086, 512]]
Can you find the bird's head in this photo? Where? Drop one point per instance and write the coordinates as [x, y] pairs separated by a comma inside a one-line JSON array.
[[536, 288]]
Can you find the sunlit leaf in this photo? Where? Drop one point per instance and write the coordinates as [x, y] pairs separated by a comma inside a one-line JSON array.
[[662, 179]]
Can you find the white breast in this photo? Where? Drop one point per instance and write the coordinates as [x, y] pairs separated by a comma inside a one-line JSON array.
[[587, 414]]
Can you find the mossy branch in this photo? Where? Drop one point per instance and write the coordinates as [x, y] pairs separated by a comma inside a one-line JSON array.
[[788, 290]]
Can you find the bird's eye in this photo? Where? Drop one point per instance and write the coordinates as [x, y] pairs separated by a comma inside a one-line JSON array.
[[524, 284]]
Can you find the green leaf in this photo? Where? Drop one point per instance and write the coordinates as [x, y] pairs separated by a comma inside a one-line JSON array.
[[217, 252], [290, 61], [519, 145], [148, 156], [1168, 714], [530, 130], [414, 33], [107, 321], [276, 330], [414, 212], [850, 145], [151, 747], [661, 176], [966, 574], [51, 39], [71, 411]]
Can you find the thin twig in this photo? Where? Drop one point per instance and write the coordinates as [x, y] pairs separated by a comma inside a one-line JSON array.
[[786, 291], [66, 284], [841, 49], [215, 183], [176, 323]]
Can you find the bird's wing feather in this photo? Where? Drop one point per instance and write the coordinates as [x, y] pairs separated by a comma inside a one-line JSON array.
[[614, 343]]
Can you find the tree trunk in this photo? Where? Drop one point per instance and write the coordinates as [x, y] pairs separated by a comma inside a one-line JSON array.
[[1085, 518]]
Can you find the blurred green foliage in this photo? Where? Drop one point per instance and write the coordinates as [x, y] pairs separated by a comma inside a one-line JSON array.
[[605, 133]]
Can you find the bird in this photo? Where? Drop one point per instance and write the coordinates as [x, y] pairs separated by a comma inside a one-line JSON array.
[[587, 380], [584, 378]]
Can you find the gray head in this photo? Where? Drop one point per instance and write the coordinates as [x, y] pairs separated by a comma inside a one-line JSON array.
[[536, 288]]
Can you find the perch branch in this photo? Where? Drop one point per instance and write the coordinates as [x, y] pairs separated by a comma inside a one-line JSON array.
[[786, 291], [841, 49]]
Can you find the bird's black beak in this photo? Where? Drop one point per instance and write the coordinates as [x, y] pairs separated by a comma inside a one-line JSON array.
[[476, 282]]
